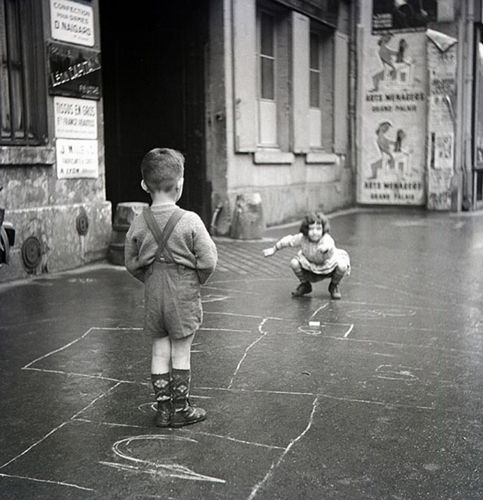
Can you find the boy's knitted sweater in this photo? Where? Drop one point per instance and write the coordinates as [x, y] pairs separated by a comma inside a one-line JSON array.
[[189, 243]]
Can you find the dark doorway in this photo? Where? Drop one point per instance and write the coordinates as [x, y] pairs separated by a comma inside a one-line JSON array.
[[153, 56]]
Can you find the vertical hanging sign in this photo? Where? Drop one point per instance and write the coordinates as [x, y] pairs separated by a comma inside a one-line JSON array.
[[441, 119]]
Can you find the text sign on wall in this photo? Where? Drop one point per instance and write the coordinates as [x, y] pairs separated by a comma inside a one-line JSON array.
[[77, 158], [72, 22], [75, 118], [74, 71], [410, 15], [393, 120]]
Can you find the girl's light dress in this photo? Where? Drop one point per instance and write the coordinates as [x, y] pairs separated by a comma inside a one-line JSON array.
[[319, 257]]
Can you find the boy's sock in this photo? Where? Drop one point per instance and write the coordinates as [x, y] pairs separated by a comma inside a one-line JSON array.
[[162, 393], [183, 412]]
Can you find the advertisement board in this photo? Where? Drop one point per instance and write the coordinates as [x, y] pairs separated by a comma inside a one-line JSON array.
[[77, 158], [72, 22], [393, 120], [74, 71], [403, 15]]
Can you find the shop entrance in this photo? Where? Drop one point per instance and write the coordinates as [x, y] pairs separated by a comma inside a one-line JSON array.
[[154, 93]]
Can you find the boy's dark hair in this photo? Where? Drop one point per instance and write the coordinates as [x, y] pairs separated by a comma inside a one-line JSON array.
[[162, 168], [314, 218]]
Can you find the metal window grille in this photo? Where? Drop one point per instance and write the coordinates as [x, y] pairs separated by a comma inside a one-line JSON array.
[[22, 81]]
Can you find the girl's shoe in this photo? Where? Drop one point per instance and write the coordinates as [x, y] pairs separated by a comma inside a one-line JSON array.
[[304, 288], [334, 291]]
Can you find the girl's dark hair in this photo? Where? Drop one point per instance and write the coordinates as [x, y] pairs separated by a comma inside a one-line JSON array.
[[314, 218]]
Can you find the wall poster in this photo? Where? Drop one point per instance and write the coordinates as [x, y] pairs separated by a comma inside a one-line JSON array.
[[393, 120], [441, 119], [403, 15], [479, 110]]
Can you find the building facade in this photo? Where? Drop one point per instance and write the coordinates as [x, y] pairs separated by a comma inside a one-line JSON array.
[[418, 95], [305, 104], [255, 94]]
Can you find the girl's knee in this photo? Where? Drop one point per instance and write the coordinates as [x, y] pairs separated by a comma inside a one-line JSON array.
[[342, 269], [295, 264]]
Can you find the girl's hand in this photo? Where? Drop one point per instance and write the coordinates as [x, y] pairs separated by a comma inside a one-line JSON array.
[[268, 252]]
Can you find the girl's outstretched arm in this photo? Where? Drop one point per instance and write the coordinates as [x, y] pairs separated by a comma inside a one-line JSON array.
[[291, 240]]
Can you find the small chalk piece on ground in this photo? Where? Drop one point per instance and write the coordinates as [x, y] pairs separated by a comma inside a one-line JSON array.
[[314, 323]]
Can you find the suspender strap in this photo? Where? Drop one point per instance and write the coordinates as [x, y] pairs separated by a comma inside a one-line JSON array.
[[162, 237]]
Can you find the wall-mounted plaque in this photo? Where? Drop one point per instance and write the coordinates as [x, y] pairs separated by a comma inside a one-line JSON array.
[[74, 71], [72, 22], [403, 15]]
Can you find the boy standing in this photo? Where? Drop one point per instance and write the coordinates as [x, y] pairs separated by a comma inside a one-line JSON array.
[[170, 250]]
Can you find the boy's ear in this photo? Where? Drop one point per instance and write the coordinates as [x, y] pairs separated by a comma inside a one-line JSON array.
[[179, 188], [143, 185]]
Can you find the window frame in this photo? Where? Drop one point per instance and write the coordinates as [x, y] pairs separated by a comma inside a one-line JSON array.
[[27, 34], [263, 102], [326, 48]]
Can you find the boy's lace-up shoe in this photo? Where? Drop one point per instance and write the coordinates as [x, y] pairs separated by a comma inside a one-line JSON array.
[[185, 414], [334, 291], [303, 288], [163, 414]]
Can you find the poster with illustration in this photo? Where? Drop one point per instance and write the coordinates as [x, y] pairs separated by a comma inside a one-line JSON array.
[[393, 120]]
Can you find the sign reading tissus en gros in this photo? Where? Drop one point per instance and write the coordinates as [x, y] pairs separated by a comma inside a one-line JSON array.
[[75, 118], [72, 22]]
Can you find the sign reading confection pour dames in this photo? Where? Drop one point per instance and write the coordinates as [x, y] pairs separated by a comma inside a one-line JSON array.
[[72, 22]]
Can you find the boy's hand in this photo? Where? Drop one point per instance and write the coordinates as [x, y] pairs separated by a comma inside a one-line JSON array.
[[268, 252], [145, 261]]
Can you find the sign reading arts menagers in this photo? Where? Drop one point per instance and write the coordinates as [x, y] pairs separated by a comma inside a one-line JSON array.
[[403, 15], [74, 71], [72, 22], [393, 120]]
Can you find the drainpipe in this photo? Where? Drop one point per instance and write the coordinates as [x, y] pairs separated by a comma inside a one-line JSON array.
[[465, 98]]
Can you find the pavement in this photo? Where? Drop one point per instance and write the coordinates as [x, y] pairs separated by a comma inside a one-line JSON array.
[[381, 399]]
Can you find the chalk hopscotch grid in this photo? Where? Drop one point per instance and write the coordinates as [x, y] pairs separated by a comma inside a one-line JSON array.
[[262, 332]]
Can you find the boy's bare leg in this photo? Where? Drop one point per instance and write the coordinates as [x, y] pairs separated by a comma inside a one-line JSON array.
[[161, 355], [181, 353], [160, 361], [184, 413]]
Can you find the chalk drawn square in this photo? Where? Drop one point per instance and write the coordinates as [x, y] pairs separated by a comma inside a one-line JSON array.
[[246, 416], [124, 354]]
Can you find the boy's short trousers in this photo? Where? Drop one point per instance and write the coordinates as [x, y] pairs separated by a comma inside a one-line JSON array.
[[172, 301]]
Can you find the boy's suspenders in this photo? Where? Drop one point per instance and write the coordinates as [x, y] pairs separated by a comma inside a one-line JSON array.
[[162, 237]]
